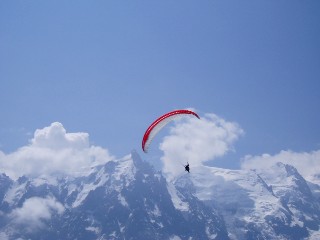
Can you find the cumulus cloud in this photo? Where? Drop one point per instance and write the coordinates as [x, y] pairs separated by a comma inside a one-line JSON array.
[[35, 211], [197, 141], [307, 163], [56, 137], [53, 150]]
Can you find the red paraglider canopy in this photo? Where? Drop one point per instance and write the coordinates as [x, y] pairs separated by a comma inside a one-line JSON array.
[[158, 124]]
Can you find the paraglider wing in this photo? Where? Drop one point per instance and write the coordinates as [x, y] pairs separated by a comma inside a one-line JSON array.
[[158, 124]]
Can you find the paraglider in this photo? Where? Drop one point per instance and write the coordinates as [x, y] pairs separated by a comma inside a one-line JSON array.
[[187, 168], [159, 123]]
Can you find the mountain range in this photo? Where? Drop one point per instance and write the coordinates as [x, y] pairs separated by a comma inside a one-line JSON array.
[[128, 199]]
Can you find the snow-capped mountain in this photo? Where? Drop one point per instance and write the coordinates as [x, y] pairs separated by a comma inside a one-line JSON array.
[[274, 204], [123, 199], [127, 199]]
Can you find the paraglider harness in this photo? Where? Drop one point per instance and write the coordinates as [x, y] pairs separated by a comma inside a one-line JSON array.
[[187, 168]]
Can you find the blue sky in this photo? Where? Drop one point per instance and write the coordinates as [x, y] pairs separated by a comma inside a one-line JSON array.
[[109, 68]]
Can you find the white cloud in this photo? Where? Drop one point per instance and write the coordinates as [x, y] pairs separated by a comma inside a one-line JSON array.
[[4, 236], [308, 164], [56, 137], [53, 150], [197, 141], [35, 211]]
